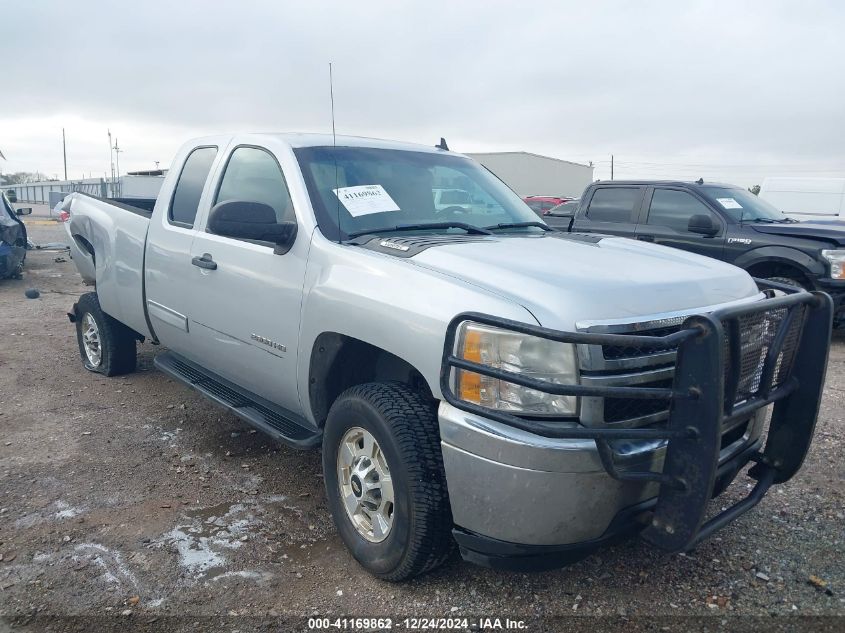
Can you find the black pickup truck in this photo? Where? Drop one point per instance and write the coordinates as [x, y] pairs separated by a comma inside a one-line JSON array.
[[722, 221]]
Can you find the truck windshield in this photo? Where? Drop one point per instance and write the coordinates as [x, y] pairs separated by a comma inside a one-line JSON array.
[[355, 189], [743, 206]]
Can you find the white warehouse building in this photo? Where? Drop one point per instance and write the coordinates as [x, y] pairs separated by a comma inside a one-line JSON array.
[[535, 175]]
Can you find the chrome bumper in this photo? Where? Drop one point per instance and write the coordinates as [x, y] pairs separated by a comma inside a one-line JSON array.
[[512, 485]]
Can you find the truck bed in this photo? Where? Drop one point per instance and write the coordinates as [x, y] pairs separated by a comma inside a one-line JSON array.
[[107, 245], [143, 206]]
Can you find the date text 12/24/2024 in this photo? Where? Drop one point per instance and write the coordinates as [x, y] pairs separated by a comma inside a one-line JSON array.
[[417, 624]]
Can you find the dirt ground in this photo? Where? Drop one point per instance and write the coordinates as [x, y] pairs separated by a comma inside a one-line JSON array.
[[136, 500]]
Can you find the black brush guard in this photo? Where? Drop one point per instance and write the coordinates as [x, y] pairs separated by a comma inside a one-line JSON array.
[[702, 400]]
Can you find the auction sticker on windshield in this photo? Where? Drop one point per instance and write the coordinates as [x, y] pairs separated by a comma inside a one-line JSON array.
[[729, 203], [365, 199]]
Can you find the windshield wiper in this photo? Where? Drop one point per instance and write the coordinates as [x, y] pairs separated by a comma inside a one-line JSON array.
[[517, 225], [469, 228]]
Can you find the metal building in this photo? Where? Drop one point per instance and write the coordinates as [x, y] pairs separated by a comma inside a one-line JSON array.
[[535, 175]]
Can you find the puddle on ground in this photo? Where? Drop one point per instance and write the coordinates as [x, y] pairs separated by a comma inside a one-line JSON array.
[[206, 539], [205, 535]]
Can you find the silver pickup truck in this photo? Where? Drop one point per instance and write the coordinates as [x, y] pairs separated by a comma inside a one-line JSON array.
[[472, 378]]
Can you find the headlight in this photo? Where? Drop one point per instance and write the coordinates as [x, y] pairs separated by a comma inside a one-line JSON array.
[[837, 263], [521, 354]]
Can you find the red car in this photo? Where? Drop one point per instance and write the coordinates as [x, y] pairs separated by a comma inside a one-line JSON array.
[[541, 204]]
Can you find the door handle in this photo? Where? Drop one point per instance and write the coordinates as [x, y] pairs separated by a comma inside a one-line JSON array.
[[205, 262], [645, 238]]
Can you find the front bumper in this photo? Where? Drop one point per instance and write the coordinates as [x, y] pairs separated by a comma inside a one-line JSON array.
[[543, 491], [528, 498], [491, 552]]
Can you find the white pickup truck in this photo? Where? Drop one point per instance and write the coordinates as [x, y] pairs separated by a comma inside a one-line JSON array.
[[471, 377]]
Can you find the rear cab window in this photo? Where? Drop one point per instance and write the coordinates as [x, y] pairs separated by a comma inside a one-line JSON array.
[[614, 204], [189, 187]]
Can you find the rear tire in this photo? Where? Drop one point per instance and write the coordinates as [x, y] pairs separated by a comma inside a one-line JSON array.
[[401, 426], [106, 346]]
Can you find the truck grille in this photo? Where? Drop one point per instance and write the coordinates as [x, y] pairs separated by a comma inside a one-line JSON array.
[[620, 352], [638, 367]]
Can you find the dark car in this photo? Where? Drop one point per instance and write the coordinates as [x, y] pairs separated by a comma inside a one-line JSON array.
[[722, 221], [12, 239]]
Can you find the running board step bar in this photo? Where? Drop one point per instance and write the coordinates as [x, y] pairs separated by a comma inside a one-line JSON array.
[[265, 416]]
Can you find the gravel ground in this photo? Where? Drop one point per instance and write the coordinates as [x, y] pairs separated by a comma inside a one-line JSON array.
[[134, 499]]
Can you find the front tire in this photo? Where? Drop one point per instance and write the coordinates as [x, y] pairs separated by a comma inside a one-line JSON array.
[[787, 281], [106, 346], [385, 483]]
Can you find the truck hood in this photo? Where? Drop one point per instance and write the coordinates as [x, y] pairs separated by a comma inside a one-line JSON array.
[[565, 279], [829, 231]]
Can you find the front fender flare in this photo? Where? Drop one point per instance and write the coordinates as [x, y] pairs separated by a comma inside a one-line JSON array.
[[781, 255]]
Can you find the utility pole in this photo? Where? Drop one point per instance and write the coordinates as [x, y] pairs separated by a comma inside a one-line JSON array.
[[64, 151], [117, 151], [111, 158], [611, 166]]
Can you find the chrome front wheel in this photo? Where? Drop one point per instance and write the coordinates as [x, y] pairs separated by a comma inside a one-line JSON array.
[[385, 483], [366, 487]]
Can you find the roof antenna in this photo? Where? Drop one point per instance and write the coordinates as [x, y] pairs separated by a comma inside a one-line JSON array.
[[442, 144], [700, 181], [334, 154]]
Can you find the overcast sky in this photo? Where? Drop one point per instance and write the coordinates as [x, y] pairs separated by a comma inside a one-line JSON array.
[[725, 90]]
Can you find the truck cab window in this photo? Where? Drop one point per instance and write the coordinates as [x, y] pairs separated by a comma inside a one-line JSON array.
[[253, 175], [613, 204], [673, 209], [186, 197]]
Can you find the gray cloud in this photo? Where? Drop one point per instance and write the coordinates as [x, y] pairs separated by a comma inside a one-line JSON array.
[[674, 88]]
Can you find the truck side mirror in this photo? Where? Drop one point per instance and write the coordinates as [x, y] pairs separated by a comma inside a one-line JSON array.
[[703, 225], [247, 220], [24, 211]]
